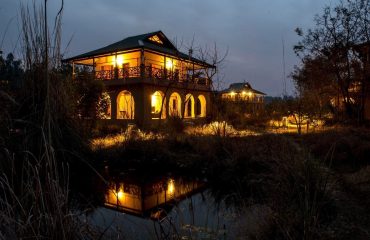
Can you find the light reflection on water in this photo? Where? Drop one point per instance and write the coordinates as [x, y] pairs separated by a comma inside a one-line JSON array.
[[170, 208], [144, 198], [195, 217]]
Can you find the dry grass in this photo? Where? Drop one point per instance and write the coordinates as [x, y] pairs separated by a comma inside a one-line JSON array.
[[122, 138], [218, 128], [214, 129]]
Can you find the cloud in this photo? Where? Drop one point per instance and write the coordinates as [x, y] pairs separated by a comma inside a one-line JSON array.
[[252, 30]]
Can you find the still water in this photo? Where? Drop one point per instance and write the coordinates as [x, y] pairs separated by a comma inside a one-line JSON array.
[[167, 208], [149, 198]]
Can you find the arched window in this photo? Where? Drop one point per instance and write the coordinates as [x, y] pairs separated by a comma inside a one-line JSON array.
[[158, 105], [104, 106], [189, 106], [175, 105], [201, 106], [125, 105]]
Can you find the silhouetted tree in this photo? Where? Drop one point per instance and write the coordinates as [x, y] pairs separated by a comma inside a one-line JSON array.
[[11, 71], [315, 86], [333, 42]]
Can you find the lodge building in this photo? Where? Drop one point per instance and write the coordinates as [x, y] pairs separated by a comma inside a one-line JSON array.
[[243, 96], [147, 79]]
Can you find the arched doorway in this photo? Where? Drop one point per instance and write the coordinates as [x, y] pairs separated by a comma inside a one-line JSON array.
[[125, 105], [189, 106], [158, 105], [201, 106], [175, 105]]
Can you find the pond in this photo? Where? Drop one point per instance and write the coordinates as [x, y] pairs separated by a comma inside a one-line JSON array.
[[149, 199], [160, 207], [167, 207], [195, 217]]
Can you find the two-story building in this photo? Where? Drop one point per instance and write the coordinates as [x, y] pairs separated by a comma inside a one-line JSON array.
[[147, 79]]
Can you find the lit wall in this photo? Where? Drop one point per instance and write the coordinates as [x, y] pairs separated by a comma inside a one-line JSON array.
[[131, 59]]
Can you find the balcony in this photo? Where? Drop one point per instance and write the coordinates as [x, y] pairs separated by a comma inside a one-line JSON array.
[[149, 74]]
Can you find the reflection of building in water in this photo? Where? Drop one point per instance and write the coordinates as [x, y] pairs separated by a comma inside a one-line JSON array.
[[141, 198]]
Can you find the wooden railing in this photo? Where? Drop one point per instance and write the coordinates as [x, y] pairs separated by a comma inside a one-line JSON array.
[[243, 99], [150, 73]]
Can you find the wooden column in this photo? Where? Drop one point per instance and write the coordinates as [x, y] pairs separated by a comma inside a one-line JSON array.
[[192, 77], [113, 107], [165, 67], [115, 67], [94, 67], [142, 63]]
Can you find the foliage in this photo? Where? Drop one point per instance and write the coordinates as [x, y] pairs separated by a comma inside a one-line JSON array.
[[10, 71], [333, 47], [88, 95], [315, 87], [277, 108]]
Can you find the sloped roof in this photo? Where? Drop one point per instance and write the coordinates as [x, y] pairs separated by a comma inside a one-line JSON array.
[[240, 87], [140, 41]]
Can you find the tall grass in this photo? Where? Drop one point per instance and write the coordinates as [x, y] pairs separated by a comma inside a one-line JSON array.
[[38, 140]]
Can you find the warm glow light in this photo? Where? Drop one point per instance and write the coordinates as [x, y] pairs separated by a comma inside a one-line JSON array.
[[169, 64], [250, 94], [154, 100], [244, 93], [119, 60], [157, 104], [120, 194], [232, 93], [171, 186], [156, 39], [125, 105]]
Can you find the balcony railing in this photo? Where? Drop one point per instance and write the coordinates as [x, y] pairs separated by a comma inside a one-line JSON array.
[[150, 73], [243, 99]]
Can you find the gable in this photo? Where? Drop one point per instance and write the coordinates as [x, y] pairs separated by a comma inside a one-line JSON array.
[[159, 39], [155, 39]]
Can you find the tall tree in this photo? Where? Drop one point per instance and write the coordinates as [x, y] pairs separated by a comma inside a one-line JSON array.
[[315, 86], [333, 41]]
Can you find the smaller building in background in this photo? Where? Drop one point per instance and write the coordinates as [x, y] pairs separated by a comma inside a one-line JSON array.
[[244, 95]]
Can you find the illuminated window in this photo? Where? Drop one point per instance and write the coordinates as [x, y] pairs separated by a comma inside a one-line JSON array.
[[119, 60], [169, 64], [125, 105], [156, 39]]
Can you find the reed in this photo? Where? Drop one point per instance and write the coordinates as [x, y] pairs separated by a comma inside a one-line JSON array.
[[39, 140]]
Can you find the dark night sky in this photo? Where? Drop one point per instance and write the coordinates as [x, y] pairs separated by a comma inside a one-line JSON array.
[[252, 30]]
